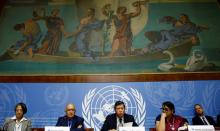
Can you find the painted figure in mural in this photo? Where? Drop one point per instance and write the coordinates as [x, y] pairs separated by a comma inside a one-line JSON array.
[[55, 28], [18, 122], [198, 62], [200, 118], [182, 28], [31, 32], [167, 120], [84, 31], [70, 119], [122, 40], [119, 118]]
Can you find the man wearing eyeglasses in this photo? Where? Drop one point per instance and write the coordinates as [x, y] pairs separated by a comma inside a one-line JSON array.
[[70, 119], [118, 119], [167, 120], [200, 117]]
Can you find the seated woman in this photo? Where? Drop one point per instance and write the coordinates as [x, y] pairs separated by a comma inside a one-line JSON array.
[[18, 122], [168, 121]]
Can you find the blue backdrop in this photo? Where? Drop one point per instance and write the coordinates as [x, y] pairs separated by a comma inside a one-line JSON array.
[[46, 101]]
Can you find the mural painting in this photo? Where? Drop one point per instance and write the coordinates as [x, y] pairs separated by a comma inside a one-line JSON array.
[[109, 36]]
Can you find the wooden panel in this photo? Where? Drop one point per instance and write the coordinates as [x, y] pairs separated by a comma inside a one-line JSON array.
[[114, 78]]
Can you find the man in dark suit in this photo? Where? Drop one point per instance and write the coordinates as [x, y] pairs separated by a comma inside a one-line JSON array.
[[218, 121], [71, 120], [119, 118], [200, 118]]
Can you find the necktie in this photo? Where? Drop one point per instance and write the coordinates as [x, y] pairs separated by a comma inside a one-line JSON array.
[[120, 120], [204, 121], [69, 123]]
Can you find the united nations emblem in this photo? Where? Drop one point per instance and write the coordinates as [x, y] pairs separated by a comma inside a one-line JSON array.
[[98, 103], [56, 95]]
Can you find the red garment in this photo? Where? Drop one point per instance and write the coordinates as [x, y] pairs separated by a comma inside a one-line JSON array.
[[174, 123]]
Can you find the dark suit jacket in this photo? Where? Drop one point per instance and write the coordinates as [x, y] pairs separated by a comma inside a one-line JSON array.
[[197, 121], [111, 121], [76, 121], [218, 121]]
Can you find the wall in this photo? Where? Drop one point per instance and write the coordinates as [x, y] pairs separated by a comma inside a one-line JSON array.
[[46, 101]]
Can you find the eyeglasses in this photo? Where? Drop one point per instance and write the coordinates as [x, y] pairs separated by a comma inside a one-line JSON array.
[[70, 110]]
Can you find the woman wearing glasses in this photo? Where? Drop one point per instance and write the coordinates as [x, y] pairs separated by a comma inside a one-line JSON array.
[[168, 121]]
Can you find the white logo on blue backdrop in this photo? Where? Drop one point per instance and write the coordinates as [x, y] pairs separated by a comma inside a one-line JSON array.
[[182, 94], [56, 95], [10, 95], [98, 104]]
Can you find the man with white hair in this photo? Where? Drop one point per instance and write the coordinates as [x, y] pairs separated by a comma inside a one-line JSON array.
[[70, 119]]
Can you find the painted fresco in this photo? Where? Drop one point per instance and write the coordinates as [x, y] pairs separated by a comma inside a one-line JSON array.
[[109, 36]]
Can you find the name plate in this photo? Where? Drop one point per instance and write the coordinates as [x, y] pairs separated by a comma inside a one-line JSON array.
[[201, 128], [56, 128], [131, 128]]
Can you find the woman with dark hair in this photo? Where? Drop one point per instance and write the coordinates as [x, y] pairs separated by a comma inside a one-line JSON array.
[[168, 121], [18, 122]]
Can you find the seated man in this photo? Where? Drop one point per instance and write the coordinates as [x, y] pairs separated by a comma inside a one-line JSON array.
[[218, 121], [200, 118], [71, 120], [119, 118], [18, 122], [168, 121]]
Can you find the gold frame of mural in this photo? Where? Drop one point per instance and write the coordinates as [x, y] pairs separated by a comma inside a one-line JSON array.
[[177, 76]]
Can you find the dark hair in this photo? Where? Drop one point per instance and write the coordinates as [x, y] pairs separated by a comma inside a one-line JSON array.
[[197, 105], [18, 27], [93, 10], [195, 108], [117, 103], [186, 16], [121, 8], [23, 106], [170, 105]]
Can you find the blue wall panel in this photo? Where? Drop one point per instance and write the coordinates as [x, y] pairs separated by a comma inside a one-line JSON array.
[[46, 101]]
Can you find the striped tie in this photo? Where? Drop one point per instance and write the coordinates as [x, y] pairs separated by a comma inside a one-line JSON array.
[[204, 121]]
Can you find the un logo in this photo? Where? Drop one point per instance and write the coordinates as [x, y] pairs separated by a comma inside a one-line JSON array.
[[98, 104]]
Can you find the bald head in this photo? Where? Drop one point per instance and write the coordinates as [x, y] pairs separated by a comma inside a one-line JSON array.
[[70, 110]]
